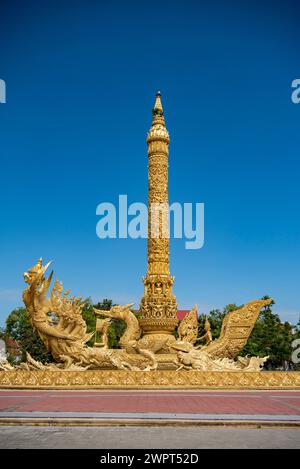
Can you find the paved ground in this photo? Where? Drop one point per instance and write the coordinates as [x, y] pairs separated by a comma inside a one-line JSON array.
[[153, 408], [281, 406], [148, 437]]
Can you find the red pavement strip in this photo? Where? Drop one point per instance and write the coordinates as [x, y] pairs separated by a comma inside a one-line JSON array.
[[213, 402]]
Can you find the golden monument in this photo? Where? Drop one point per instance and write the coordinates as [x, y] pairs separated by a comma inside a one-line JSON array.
[[158, 305], [150, 355]]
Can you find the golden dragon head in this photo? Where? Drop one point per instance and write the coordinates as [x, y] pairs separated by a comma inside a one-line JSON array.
[[36, 272]]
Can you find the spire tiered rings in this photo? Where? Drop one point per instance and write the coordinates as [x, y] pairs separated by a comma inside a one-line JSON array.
[[158, 305]]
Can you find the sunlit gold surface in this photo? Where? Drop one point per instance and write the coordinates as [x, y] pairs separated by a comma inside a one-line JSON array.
[[155, 380], [158, 305]]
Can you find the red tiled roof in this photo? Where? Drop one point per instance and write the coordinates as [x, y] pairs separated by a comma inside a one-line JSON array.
[[181, 313]]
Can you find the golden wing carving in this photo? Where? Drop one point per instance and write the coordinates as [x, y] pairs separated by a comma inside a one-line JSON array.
[[236, 329]]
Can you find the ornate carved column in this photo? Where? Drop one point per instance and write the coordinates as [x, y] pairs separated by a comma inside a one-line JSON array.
[[158, 305]]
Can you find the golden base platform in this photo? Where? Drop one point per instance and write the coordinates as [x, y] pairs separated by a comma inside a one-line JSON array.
[[160, 379]]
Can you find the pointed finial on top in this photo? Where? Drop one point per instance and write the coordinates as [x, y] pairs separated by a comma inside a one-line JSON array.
[[158, 109], [158, 129]]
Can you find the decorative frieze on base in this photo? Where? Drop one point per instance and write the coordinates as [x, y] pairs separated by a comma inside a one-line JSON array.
[[112, 379]]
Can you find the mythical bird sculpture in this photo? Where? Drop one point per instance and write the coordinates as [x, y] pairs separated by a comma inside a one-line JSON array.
[[58, 321], [131, 341]]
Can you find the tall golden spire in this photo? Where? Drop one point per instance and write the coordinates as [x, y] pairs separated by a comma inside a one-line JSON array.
[[158, 304]]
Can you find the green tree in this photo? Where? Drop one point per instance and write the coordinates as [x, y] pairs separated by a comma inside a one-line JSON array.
[[90, 318], [19, 328], [296, 366], [271, 337]]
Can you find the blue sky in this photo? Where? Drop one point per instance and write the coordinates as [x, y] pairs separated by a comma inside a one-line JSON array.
[[81, 78]]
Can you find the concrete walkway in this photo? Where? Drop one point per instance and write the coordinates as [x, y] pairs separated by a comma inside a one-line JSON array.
[[177, 438]]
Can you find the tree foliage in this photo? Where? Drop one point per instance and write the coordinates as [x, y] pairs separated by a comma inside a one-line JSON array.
[[296, 345], [19, 328]]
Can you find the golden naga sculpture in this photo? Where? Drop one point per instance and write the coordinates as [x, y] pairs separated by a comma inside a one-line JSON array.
[[202, 361], [58, 321]]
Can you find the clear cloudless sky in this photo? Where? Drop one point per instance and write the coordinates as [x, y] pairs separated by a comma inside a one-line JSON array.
[[81, 78]]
